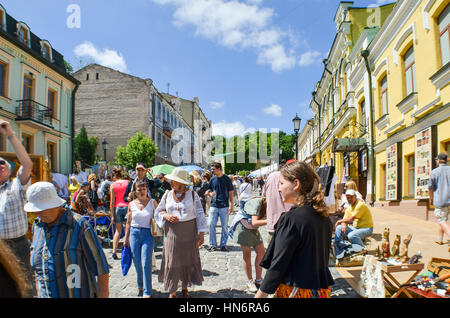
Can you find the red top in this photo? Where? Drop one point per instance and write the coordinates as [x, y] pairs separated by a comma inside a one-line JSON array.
[[119, 191]]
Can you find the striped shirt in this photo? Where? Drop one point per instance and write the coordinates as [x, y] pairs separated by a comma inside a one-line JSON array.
[[67, 258], [13, 219]]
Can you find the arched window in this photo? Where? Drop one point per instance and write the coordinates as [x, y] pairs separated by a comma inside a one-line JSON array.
[[46, 50], [444, 38], [23, 33], [410, 71], [384, 96]]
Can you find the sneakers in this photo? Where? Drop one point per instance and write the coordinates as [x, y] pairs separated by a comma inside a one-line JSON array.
[[223, 249], [212, 248], [114, 256], [141, 293], [251, 287], [258, 283]]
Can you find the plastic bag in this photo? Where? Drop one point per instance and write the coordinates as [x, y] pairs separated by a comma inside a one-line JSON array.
[[371, 284], [126, 260]]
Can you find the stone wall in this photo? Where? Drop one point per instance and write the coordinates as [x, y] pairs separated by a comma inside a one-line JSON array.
[[113, 107]]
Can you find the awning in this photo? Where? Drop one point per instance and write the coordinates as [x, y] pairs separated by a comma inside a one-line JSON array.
[[348, 144]]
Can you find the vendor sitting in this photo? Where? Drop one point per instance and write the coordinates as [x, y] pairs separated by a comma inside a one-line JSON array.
[[356, 224]]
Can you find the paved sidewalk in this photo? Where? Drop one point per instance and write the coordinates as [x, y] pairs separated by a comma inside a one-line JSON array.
[[424, 233], [223, 273]]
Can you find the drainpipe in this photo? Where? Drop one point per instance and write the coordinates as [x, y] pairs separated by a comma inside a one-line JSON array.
[[365, 55], [320, 133], [325, 62], [77, 85]]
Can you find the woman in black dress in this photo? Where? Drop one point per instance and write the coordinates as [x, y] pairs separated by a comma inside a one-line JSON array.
[[297, 257]]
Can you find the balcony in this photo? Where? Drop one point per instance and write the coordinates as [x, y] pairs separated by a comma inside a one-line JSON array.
[[38, 114], [167, 129]]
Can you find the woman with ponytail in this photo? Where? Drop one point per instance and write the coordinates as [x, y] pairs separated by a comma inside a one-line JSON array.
[[297, 257]]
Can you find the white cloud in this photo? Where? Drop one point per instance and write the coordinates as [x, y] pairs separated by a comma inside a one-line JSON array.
[[105, 57], [237, 25], [273, 109], [217, 105], [230, 129], [308, 58]]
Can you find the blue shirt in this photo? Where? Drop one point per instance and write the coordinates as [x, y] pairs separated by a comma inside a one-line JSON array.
[[221, 186], [440, 185], [67, 258]]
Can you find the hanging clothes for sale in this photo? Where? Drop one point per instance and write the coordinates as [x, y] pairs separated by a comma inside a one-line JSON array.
[[326, 174]]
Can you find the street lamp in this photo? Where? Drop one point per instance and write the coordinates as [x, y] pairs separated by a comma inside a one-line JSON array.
[[297, 120], [105, 147]]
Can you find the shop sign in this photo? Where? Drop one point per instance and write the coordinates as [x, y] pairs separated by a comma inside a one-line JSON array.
[[423, 162], [392, 173]]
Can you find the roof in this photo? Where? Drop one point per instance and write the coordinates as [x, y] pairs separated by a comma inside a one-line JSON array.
[[35, 47]]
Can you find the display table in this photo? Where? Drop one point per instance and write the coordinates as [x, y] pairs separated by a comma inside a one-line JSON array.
[[388, 270], [425, 294]]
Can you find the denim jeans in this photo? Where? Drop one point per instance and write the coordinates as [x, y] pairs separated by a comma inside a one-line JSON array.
[[141, 244], [214, 214], [354, 235]]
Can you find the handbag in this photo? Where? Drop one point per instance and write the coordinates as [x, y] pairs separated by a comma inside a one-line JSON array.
[[126, 260], [240, 195]]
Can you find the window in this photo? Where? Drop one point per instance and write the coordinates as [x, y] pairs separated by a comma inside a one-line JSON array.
[[384, 96], [158, 115], [24, 35], [97, 76], [46, 51], [159, 142], [3, 78], [444, 38], [27, 95], [51, 102], [87, 77], [363, 114], [410, 71], [2, 18], [51, 154], [27, 142]]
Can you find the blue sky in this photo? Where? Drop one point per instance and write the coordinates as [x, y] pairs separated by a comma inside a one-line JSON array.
[[252, 63]]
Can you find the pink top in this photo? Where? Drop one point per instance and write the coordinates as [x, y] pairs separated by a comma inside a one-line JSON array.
[[119, 191], [275, 204]]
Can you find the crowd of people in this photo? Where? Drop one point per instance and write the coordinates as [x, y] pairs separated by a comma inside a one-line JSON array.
[[65, 257]]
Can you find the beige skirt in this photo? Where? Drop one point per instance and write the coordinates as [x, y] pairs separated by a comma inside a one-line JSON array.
[[181, 258]]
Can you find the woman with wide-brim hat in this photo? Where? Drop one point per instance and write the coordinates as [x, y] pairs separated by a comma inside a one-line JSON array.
[[181, 214]]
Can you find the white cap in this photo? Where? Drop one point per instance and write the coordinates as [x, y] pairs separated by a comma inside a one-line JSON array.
[[42, 196], [350, 192]]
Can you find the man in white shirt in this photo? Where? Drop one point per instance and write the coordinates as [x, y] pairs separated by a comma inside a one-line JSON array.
[[13, 218]]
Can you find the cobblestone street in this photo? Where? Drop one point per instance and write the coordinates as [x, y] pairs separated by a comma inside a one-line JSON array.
[[223, 274]]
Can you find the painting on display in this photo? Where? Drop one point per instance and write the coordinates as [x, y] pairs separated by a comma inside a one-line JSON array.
[[392, 173], [423, 162]]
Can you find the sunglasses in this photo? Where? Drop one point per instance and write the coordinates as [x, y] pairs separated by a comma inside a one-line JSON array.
[[2, 162]]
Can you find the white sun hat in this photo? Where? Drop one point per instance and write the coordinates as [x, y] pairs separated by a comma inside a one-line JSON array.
[[179, 175], [350, 192], [42, 196]]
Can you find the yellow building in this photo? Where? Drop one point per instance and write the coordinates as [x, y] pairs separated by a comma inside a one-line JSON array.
[[409, 60], [341, 116], [382, 103]]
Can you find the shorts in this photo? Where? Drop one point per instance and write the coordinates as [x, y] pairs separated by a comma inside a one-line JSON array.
[[120, 214], [442, 214]]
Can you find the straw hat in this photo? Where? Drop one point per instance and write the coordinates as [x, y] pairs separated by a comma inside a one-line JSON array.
[[179, 175]]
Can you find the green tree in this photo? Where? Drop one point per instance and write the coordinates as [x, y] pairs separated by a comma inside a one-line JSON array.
[[84, 148], [69, 67], [140, 148]]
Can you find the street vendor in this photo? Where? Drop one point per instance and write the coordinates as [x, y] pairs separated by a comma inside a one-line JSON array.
[[356, 224]]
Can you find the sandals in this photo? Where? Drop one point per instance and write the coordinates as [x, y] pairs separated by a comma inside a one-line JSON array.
[[185, 293]]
